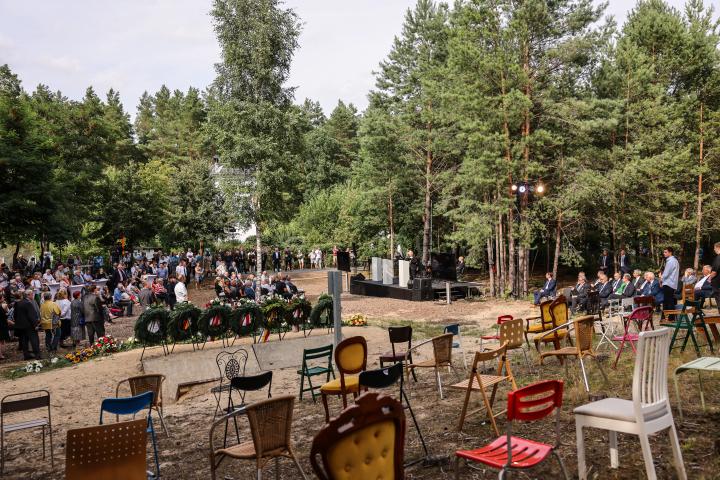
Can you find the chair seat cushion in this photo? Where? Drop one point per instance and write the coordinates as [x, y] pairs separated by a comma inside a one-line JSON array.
[[241, 450], [314, 371], [490, 337], [392, 357], [536, 328], [615, 409], [549, 337], [525, 453], [352, 384]]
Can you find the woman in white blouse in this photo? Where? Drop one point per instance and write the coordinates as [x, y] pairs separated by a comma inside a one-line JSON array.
[[181, 294]]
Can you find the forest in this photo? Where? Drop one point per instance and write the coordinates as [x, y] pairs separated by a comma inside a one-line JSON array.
[[476, 105]]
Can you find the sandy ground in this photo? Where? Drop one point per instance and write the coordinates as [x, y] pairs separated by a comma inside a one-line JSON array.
[[78, 390]]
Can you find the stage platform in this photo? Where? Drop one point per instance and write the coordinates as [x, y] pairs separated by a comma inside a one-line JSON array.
[[371, 288]]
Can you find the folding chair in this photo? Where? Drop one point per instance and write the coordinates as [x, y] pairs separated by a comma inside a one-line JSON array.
[[147, 383], [478, 382], [688, 318], [507, 452], [309, 372], [230, 365], [112, 452], [642, 318], [604, 326], [131, 406], [387, 377], [22, 402], [454, 328]]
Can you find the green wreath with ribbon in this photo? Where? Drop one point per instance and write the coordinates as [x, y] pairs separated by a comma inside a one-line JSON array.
[[322, 313], [273, 310], [215, 320], [246, 318], [183, 321], [298, 312], [151, 326]]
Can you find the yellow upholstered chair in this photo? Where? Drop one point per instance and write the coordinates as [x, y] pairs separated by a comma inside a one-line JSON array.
[[543, 323], [559, 315], [350, 359], [365, 442]]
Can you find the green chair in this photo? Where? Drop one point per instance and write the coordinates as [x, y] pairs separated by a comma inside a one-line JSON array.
[[688, 322], [311, 371]]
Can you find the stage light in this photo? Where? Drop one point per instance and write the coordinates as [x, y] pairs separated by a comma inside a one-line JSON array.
[[523, 188], [541, 188], [513, 188]]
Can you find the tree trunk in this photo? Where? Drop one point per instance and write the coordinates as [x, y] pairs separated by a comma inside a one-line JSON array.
[[556, 259], [14, 257], [699, 211], [392, 224], [427, 211], [500, 249], [258, 249], [491, 263], [511, 252]]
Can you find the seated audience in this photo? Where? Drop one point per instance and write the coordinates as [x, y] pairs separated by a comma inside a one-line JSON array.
[[579, 293], [703, 287], [548, 289]]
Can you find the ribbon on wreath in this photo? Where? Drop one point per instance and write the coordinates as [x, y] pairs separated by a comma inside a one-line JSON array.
[[215, 321], [186, 324], [247, 320]]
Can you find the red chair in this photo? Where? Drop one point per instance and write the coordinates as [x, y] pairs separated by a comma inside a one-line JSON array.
[[500, 320], [642, 316], [527, 404]]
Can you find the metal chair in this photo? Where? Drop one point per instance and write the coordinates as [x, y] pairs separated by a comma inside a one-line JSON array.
[[398, 335], [507, 452], [350, 359], [111, 452], [23, 402], [230, 365], [132, 406], [307, 371], [375, 426], [454, 328], [647, 413], [270, 428], [442, 357], [479, 382], [147, 383], [642, 318]]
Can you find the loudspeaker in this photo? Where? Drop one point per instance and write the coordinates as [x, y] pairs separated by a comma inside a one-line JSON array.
[[343, 261], [422, 289]]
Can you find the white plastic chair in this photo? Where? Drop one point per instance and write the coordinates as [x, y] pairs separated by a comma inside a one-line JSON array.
[[647, 413]]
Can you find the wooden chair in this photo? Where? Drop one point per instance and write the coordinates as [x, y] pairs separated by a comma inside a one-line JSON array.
[[689, 318], [23, 402], [508, 452], [647, 413], [116, 451], [398, 335], [560, 315], [584, 329], [536, 325], [366, 441], [350, 359], [479, 383], [496, 336], [270, 428], [511, 333], [306, 371], [147, 383], [442, 357]]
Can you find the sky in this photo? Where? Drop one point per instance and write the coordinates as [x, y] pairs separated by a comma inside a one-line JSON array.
[[138, 45]]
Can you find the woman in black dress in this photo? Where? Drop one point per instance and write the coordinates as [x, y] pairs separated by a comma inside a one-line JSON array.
[[4, 328]]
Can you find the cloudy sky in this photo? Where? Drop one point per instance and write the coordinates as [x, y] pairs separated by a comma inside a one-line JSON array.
[[138, 45]]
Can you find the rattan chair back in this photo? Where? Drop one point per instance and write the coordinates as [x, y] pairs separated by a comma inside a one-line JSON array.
[[442, 348]]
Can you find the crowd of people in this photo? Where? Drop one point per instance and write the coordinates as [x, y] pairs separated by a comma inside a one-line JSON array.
[[665, 287]]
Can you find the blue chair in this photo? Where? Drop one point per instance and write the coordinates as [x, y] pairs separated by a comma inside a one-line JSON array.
[[454, 328], [132, 406]]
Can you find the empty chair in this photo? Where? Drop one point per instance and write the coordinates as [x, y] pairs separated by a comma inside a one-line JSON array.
[[147, 383], [559, 314], [398, 335], [507, 452], [308, 371], [366, 441], [511, 333], [496, 336], [647, 413], [22, 402], [454, 328], [270, 428], [132, 406], [230, 364], [442, 357], [641, 317], [541, 323], [350, 359], [112, 452]]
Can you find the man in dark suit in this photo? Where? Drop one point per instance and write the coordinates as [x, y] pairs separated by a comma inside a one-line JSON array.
[[276, 256], [26, 319], [548, 289], [604, 263], [624, 262], [703, 287], [638, 281], [616, 281], [579, 294], [118, 276], [604, 289]]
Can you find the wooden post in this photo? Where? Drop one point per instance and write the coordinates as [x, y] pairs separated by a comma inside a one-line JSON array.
[[448, 298], [335, 289]]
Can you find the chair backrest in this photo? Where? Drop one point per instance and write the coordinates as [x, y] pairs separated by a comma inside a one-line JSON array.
[[512, 332], [126, 405], [641, 314], [584, 330], [20, 402], [400, 334], [271, 423], [644, 300], [593, 303], [489, 355], [442, 349], [535, 401], [251, 383], [627, 304], [695, 305], [231, 364], [688, 292], [147, 383], [381, 378], [116, 451], [365, 441], [559, 311], [504, 318], [318, 353], [545, 316], [351, 355], [649, 390], [453, 328]]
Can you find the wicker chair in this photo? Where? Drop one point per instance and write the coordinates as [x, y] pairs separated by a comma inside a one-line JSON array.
[[270, 427], [350, 359], [584, 330], [479, 382], [366, 441], [442, 357], [147, 383]]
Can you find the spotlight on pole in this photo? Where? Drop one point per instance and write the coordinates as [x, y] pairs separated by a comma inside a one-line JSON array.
[[513, 187], [540, 188], [523, 188]]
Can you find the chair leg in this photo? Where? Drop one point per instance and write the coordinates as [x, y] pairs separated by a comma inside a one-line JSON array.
[[677, 395], [162, 422], [677, 453], [457, 467], [439, 382], [302, 385], [52, 453], [277, 468], [614, 458], [580, 439], [259, 474], [584, 374], [297, 464], [602, 370], [325, 406], [562, 465], [647, 456]]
